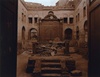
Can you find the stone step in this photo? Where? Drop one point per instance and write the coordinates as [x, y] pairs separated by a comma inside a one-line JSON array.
[[51, 75], [48, 68], [56, 61], [49, 63], [51, 71], [51, 68]]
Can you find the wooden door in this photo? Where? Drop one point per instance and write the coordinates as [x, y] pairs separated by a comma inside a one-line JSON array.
[[8, 38], [94, 37]]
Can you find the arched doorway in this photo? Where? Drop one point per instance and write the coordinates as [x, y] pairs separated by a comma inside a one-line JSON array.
[[86, 30], [33, 34], [68, 34], [23, 33], [23, 37]]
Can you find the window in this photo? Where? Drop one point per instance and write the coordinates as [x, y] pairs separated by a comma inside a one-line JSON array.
[[84, 11], [77, 33], [22, 16], [23, 33], [65, 20], [35, 20], [78, 18], [71, 20], [30, 19]]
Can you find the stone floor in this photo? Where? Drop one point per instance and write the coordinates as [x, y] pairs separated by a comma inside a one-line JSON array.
[[22, 59]]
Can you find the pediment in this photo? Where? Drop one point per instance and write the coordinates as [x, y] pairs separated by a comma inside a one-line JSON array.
[[50, 16]]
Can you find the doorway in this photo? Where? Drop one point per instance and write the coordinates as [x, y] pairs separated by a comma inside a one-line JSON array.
[[33, 34], [68, 34]]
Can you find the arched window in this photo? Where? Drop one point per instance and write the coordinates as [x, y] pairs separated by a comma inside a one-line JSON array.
[[86, 30], [77, 33], [84, 11], [78, 17], [23, 33], [22, 16]]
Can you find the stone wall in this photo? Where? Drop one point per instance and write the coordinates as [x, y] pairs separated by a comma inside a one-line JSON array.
[[80, 20], [22, 23]]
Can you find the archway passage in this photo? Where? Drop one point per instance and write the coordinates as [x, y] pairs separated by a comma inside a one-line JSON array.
[[68, 34], [32, 34], [23, 33]]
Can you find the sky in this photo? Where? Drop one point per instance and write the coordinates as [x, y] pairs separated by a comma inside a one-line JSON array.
[[44, 2]]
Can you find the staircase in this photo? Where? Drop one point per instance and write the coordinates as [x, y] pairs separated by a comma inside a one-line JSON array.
[[51, 68]]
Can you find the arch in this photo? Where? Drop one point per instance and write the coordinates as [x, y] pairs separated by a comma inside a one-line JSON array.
[[33, 29], [68, 34], [23, 33], [32, 33]]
